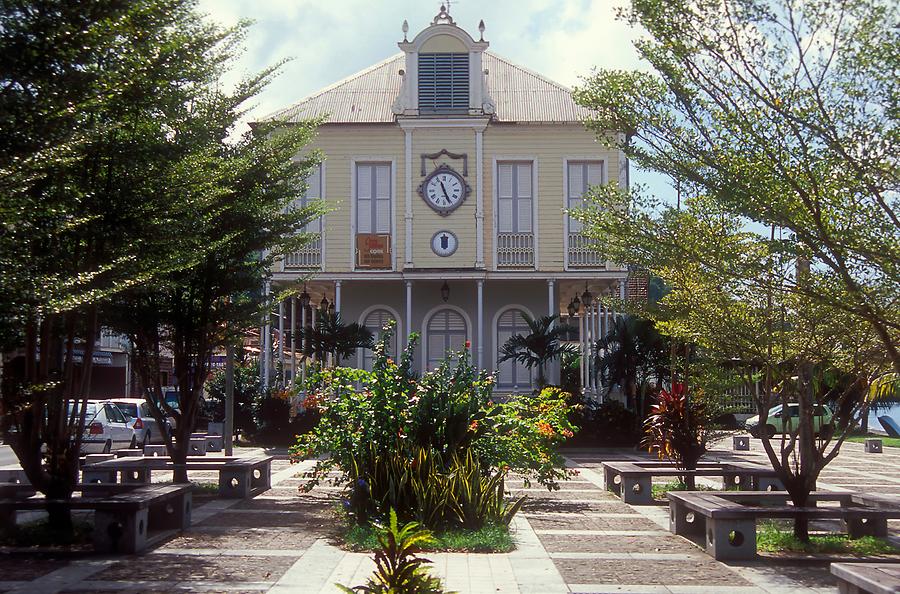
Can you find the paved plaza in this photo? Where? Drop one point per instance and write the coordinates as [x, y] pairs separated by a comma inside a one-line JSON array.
[[578, 539]]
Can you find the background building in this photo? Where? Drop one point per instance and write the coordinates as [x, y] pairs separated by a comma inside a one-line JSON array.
[[449, 169]]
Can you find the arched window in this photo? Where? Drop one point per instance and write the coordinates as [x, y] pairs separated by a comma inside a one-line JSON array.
[[510, 374], [446, 333], [375, 321]]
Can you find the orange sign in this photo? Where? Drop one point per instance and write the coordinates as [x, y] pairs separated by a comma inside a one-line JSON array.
[[373, 250]]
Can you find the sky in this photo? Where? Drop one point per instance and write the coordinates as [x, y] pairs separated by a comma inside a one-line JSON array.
[[330, 40]]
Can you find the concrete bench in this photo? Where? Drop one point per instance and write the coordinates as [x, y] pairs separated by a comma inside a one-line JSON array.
[[869, 578], [240, 478], [741, 443], [633, 481], [727, 521], [124, 523], [873, 446], [155, 450], [214, 442]]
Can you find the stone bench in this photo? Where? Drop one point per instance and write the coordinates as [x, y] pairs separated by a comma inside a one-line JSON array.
[[239, 478], [633, 481], [873, 446], [726, 521], [869, 578], [214, 442], [124, 523]]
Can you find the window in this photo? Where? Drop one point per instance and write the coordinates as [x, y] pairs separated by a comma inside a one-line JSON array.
[[443, 82], [514, 197], [582, 175], [511, 374], [373, 198], [446, 333], [313, 192], [375, 322], [114, 414]]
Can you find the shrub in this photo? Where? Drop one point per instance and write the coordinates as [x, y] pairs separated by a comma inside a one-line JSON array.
[[678, 428], [406, 444], [609, 424], [397, 568]]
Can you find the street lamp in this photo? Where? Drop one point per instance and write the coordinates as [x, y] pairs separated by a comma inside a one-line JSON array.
[[304, 298], [587, 297], [576, 303], [445, 292], [323, 305], [571, 309]]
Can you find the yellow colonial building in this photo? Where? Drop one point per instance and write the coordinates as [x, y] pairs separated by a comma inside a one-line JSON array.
[[448, 171]]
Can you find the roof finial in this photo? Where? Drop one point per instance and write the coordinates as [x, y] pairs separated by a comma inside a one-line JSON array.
[[443, 17], [481, 29], [405, 28]]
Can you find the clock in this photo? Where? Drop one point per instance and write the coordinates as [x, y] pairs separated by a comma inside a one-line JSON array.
[[444, 190], [444, 243]]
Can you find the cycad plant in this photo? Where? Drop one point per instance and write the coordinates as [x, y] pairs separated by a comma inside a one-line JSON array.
[[397, 568], [331, 336], [542, 345]]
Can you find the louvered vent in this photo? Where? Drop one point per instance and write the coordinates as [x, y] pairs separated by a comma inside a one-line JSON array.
[[443, 83]]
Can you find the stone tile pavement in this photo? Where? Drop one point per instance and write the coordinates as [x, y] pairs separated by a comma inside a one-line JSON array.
[[579, 539]]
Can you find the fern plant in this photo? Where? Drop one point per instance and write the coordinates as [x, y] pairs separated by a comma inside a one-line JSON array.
[[398, 569]]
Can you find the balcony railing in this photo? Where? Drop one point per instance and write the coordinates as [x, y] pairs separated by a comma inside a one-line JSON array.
[[582, 254], [309, 257], [515, 250]]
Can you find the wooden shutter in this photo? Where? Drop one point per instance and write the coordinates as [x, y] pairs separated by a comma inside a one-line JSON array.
[[576, 190], [524, 198], [382, 199], [364, 199], [505, 222]]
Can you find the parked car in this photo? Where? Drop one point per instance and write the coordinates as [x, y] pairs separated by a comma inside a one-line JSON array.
[[788, 423], [106, 428], [146, 429]]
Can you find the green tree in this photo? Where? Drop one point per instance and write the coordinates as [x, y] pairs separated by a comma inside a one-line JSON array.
[[332, 336], [247, 391], [778, 122], [83, 142], [632, 355], [542, 345], [784, 114]]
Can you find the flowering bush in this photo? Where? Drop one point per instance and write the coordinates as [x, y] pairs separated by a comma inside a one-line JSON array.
[[376, 424]]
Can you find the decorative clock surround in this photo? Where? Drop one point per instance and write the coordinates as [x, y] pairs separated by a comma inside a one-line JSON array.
[[444, 190], [444, 243]]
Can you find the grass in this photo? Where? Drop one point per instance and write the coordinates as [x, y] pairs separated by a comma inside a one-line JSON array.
[[888, 442], [40, 534], [773, 539], [489, 539], [206, 488], [659, 490]]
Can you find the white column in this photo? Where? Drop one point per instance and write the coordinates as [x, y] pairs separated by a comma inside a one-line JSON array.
[[313, 313], [622, 289], [293, 340], [408, 241], [589, 340], [584, 363], [551, 297], [480, 284], [479, 199], [337, 296], [409, 326], [303, 349], [281, 339], [266, 340], [552, 310], [597, 336]]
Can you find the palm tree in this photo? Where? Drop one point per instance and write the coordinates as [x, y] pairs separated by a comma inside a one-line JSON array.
[[632, 355], [331, 336], [540, 346]]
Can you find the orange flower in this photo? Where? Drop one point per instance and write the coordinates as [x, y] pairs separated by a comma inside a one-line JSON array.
[[473, 426], [545, 429]]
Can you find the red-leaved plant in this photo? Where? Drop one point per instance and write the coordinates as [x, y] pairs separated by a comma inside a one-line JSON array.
[[677, 429]]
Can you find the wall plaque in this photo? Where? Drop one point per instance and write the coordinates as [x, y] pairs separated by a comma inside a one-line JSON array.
[[373, 250]]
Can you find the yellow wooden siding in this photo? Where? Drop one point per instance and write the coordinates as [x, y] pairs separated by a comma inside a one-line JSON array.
[[426, 221], [550, 146], [341, 145]]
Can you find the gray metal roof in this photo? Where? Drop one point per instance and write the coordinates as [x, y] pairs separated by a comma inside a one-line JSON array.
[[520, 95]]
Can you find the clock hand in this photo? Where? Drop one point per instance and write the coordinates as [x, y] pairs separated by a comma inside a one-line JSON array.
[[445, 191]]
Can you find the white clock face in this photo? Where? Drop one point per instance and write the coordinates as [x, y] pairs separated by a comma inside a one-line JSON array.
[[444, 243], [444, 191]]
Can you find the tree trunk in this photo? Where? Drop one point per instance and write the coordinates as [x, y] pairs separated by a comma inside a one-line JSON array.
[[800, 498]]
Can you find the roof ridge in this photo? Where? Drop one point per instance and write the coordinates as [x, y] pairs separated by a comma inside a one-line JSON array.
[[333, 86], [533, 73]]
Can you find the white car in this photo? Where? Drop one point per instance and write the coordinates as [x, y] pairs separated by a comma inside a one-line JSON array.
[[106, 428], [146, 429]]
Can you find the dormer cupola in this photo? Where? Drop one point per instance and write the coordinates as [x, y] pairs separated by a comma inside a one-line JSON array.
[[444, 75]]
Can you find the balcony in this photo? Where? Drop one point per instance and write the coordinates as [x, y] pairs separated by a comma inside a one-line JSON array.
[[309, 257], [581, 253], [515, 250]]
